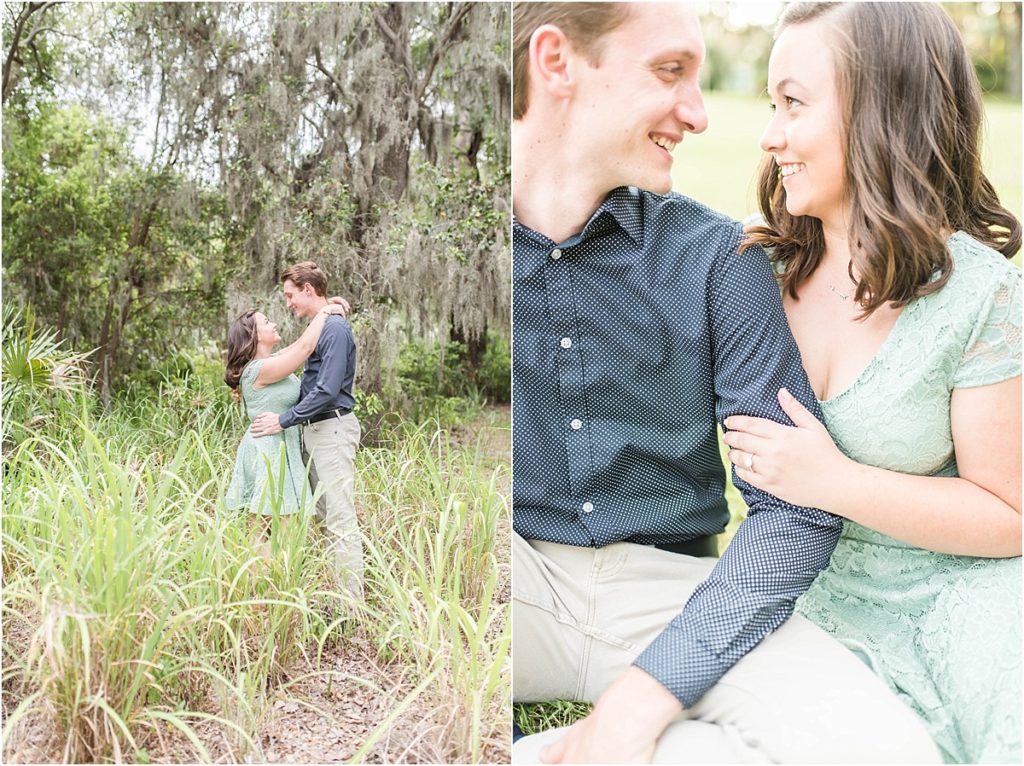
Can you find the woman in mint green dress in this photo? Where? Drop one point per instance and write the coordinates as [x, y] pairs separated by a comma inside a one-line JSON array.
[[269, 471], [891, 247]]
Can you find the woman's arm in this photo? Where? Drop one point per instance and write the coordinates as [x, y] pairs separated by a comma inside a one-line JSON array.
[[290, 358], [975, 514]]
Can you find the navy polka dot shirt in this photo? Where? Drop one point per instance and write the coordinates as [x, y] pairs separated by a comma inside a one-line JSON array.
[[630, 340]]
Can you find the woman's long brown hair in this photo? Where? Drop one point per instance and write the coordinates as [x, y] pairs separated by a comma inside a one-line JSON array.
[[912, 114], [243, 339]]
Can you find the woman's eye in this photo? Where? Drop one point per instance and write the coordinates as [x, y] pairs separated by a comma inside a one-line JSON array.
[[789, 101]]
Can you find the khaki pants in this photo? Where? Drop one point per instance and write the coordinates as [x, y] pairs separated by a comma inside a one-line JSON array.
[[581, 615], [330, 446]]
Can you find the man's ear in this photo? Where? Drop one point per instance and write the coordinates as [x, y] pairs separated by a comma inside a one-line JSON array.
[[550, 52]]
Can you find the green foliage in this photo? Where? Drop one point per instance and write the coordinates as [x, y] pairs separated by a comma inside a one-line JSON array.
[[103, 247], [36, 368], [442, 382], [195, 148], [35, 359]]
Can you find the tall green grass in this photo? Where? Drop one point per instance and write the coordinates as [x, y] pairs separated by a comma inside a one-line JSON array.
[[148, 609], [444, 513]]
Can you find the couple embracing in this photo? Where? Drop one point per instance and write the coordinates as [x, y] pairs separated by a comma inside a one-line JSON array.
[[860, 347], [277, 403]]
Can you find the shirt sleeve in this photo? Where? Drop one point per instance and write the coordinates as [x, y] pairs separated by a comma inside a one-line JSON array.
[[333, 350], [779, 548]]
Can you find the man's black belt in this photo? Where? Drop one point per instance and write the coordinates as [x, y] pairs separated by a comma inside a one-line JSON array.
[[698, 546], [328, 414]]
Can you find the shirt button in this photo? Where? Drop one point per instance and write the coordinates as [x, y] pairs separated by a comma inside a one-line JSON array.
[[576, 424], [588, 507], [556, 254], [566, 343]]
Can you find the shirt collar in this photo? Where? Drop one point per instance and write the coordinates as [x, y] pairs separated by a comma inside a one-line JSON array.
[[623, 207]]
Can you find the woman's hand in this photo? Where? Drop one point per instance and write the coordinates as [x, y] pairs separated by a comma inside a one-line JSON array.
[[799, 464], [335, 308], [336, 300]]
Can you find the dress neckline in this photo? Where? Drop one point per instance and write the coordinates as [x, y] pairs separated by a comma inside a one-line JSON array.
[[873, 361], [881, 350]]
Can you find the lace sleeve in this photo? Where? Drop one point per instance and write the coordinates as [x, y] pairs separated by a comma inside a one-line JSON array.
[[251, 372], [993, 351]]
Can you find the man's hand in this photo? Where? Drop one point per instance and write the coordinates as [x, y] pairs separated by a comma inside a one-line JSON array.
[[623, 727], [266, 424]]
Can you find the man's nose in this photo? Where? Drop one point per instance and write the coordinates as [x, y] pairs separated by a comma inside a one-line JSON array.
[[690, 110]]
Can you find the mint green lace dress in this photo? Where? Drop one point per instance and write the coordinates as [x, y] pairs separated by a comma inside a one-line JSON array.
[[944, 631], [269, 470]]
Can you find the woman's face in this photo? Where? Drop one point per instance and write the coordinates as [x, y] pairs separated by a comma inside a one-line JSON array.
[[266, 331], [804, 134]]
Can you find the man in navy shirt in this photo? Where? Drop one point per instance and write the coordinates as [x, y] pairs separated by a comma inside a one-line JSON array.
[[636, 328], [331, 432]]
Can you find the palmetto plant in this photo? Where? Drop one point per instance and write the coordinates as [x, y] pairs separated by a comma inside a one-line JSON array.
[[35, 359], [35, 367]]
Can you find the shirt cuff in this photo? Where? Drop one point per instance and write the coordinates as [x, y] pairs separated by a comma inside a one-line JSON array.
[[682, 664], [286, 419]]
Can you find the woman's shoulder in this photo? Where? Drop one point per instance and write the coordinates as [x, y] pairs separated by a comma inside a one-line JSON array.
[[250, 373], [975, 263]]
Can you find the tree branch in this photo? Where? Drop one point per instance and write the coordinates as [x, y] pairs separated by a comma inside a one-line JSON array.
[[441, 47], [327, 73], [28, 10]]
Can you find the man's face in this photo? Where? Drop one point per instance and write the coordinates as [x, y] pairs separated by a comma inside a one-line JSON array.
[[299, 300], [632, 109]]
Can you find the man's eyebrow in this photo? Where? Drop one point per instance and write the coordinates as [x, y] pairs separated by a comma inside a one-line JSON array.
[[685, 54]]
